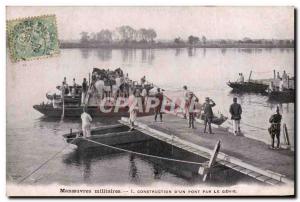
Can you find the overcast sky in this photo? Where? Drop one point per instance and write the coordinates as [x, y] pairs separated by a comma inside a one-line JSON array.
[[171, 22]]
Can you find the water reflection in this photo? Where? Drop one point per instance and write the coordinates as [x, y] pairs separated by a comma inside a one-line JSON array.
[[191, 51], [104, 54], [223, 51], [160, 168], [85, 52], [204, 52], [157, 171], [177, 51], [128, 55], [133, 172], [147, 55]]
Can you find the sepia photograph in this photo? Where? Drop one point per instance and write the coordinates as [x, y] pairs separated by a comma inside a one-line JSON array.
[[150, 101]]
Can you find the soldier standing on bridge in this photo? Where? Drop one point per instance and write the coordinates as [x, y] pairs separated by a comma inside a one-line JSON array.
[[208, 113], [235, 111], [274, 129], [159, 96]]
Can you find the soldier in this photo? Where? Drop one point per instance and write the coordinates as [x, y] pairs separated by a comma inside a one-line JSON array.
[[208, 113], [192, 108], [159, 96], [86, 123], [186, 93], [84, 91], [235, 111], [274, 129], [132, 103]]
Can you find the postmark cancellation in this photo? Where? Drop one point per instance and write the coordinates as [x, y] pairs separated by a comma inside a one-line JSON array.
[[32, 38]]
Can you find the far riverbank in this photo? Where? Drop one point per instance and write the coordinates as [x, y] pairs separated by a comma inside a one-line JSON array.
[[162, 45]]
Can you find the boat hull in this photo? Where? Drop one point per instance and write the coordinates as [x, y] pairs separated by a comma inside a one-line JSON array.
[[215, 120], [282, 96], [76, 111], [67, 99], [109, 135], [248, 87]]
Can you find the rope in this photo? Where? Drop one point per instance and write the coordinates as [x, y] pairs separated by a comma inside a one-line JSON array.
[[44, 163], [168, 99], [142, 154], [265, 72], [254, 126], [260, 128]]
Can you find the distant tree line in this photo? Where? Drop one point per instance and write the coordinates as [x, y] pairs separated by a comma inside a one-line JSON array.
[[127, 37], [195, 41], [120, 34]]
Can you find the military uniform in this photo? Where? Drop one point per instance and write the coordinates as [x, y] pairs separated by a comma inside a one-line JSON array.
[[208, 115], [274, 129]]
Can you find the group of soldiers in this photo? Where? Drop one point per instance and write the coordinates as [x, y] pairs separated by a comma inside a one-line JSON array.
[[192, 109], [280, 83]]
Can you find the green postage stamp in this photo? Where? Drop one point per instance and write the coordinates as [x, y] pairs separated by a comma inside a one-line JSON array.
[[32, 38]]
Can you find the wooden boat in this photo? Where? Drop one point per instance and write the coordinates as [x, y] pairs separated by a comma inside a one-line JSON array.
[[248, 87], [140, 87], [78, 88], [217, 120], [67, 99], [76, 111], [110, 135], [287, 95]]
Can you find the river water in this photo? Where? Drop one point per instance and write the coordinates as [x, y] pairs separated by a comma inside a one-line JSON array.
[[31, 138]]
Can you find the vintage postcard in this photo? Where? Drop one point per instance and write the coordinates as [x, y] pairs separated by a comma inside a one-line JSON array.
[[150, 101]]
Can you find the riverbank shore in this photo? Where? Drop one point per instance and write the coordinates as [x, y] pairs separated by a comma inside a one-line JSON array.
[[160, 45]]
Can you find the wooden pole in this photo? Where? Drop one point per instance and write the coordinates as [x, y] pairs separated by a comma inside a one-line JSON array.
[[274, 72], [63, 108], [250, 76], [63, 90], [286, 134], [212, 159]]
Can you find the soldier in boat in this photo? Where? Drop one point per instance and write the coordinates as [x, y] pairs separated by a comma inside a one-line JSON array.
[[133, 107], [65, 80], [143, 80], [99, 85], [86, 123], [278, 75], [144, 95], [65, 87], [84, 91], [107, 87], [74, 89], [241, 78]]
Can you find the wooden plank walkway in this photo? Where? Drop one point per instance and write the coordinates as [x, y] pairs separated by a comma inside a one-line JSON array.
[[245, 155]]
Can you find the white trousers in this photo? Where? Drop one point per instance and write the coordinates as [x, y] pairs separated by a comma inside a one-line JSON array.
[[236, 126], [86, 130], [83, 95], [132, 117]]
